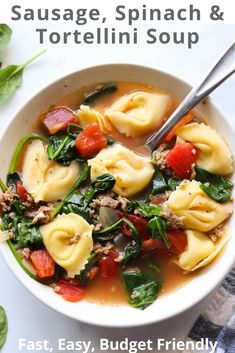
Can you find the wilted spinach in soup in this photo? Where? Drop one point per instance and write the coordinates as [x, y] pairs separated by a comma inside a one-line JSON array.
[[89, 212]]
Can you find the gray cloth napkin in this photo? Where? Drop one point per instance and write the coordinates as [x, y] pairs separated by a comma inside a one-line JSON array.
[[217, 323]]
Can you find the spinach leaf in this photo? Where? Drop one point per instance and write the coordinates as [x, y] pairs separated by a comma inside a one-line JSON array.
[[173, 183], [61, 148], [2, 185], [132, 250], [97, 93], [21, 145], [83, 276], [141, 290], [159, 184], [143, 208], [12, 180], [3, 326], [5, 35], [11, 78], [26, 234], [217, 187], [109, 229], [79, 202], [81, 178], [157, 228], [103, 183]]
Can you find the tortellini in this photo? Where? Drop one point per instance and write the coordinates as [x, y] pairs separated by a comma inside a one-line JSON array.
[[131, 171], [198, 210], [201, 249], [87, 115], [68, 239], [46, 180], [214, 155], [139, 112]]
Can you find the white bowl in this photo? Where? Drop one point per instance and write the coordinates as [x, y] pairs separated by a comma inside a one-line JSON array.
[[117, 316]]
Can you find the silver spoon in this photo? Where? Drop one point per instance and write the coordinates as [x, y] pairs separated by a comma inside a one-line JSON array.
[[222, 70]]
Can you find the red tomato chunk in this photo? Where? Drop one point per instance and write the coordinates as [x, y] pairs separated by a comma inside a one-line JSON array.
[[178, 243], [43, 264], [58, 119], [108, 266], [21, 191], [70, 292], [181, 158], [139, 222], [90, 141]]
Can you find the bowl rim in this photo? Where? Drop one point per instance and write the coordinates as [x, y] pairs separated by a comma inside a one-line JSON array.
[[190, 303]]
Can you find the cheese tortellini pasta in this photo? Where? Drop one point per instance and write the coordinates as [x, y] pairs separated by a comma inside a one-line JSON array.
[[46, 180], [131, 171], [139, 112], [197, 209], [87, 115], [201, 249], [214, 155], [68, 239]]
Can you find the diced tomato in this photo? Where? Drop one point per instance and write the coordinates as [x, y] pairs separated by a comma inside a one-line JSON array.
[[43, 263], [178, 243], [58, 119], [181, 158], [173, 132], [90, 141], [70, 292], [139, 222], [108, 266], [21, 191]]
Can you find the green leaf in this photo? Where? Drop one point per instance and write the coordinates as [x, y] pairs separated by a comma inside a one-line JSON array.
[[103, 183], [2, 185], [217, 187], [82, 177], [3, 326], [11, 78], [157, 228], [97, 93], [143, 208], [5, 35], [61, 148], [132, 250], [141, 290], [26, 234], [23, 142], [159, 184]]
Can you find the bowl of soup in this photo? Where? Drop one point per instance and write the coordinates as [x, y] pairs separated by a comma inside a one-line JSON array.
[[97, 226]]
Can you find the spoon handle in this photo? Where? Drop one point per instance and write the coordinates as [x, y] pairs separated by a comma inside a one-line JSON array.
[[223, 69]]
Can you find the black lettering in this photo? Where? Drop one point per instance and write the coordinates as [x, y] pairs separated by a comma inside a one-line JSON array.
[[29, 15], [55, 14], [94, 15], [180, 15], [169, 15], [15, 12], [68, 15], [151, 33], [41, 34], [41, 16], [164, 37], [120, 12], [193, 11], [193, 38], [81, 17], [54, 37], [66, 35], [88, 38]]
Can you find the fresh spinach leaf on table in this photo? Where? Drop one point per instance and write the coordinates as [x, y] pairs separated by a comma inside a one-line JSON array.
[[11, 78], [5, 35], [3, 326], [217, 187]]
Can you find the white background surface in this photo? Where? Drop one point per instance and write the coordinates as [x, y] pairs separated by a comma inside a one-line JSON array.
[[28, 318]]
